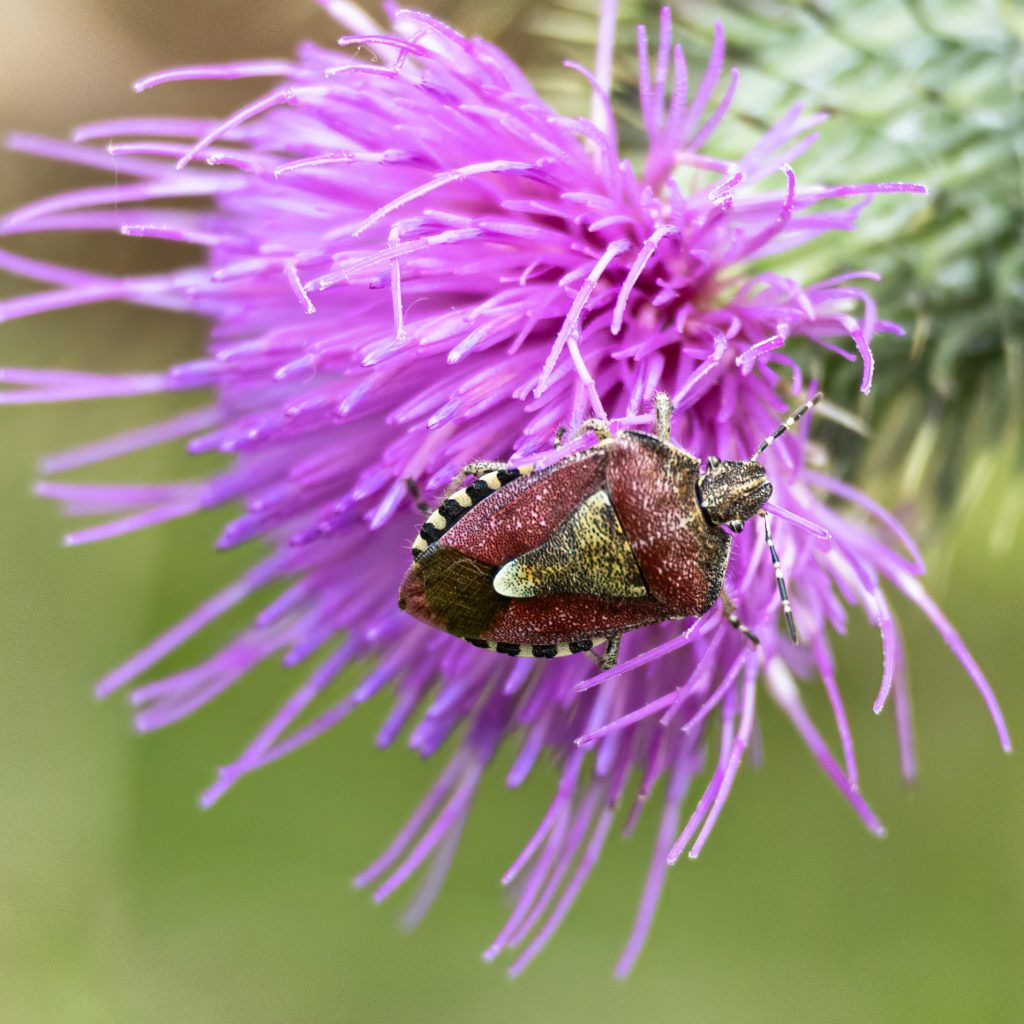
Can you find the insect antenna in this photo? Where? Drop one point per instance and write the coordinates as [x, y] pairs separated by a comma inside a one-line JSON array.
[[787, 608], [786, 424]]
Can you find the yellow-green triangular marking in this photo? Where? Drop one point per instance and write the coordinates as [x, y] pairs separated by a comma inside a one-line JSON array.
[[587, 554]]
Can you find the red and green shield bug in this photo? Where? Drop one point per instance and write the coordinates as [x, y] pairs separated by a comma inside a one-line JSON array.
[[620, 535]]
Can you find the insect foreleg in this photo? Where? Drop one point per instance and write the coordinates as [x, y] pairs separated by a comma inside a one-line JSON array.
[[729, 611], [780, 581]]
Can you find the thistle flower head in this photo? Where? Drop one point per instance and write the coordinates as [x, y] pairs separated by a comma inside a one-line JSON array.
[[410, 262]]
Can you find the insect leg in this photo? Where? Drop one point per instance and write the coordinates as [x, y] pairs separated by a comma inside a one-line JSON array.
[[417, 498], [663, 415], [787, 609], [598, 427], [611, 653], [787, 424], [729, 611]]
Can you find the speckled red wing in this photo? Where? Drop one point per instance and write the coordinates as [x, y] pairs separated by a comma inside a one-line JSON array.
[[682, 556], [524, 512]]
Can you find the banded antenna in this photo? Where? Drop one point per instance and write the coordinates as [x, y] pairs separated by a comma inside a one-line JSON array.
[[786, 424]]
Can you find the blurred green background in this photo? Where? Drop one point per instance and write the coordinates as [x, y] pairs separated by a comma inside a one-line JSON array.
[[121, 902]]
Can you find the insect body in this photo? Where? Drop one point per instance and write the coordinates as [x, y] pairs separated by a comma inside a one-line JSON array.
[[620, 535]]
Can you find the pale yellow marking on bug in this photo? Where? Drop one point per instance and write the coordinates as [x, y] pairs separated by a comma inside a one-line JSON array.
[[587, 554], [562, 650]]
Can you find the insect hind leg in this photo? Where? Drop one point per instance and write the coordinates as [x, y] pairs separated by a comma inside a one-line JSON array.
[[611, 653], [729, 611]]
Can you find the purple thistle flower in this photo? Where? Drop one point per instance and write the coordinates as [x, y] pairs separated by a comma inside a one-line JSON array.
[[412, 262]]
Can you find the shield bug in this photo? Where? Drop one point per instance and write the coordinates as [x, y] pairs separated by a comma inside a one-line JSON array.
[[620, 535]]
